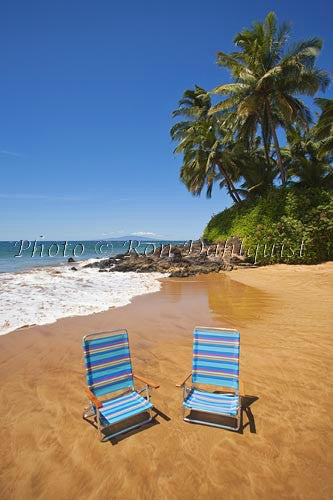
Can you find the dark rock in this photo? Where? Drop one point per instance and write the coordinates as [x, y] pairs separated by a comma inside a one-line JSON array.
[[197, 258], [236, 245], [70, 260], [165, 250], [132, 254], [180, 274], [197, 247], [175, 254], [120, 256], [73, 268], [102, 263], [177, 261], [157, 252]]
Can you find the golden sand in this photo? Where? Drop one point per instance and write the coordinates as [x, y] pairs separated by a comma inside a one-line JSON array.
[[284, 314]]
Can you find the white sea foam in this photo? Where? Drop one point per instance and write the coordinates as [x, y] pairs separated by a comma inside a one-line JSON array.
[[43, 295]]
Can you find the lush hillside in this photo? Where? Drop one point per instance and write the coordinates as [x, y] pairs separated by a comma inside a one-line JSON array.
[[259, 142], [287, 225]]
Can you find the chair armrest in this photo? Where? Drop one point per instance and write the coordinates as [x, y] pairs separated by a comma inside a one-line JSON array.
[[241, 387], [145, 381], [97, 402], [184, 380]]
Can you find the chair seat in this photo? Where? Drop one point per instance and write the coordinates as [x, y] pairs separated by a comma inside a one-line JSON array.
[[223, 404], [125, 406]]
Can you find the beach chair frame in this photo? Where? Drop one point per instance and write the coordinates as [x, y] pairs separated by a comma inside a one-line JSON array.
[[187, 389], [93, 410]]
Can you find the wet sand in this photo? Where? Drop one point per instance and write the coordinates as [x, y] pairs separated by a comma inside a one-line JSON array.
[[285, 316]]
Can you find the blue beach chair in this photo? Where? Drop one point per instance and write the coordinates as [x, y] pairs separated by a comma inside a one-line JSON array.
[[215, 363], [109, 372]]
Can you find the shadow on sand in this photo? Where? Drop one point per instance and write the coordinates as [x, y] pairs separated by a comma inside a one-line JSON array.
[[220, 420], [128, 423], [212, 419]]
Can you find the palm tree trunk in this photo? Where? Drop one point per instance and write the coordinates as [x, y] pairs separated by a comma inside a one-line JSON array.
[[233, 196], [276, 144], [266, 146], [230, 185]]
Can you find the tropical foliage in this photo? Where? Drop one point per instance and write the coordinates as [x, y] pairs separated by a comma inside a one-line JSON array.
[[293, 226], [203, 142], [255, 138], [307, 162], [323, 130], [236, 142]]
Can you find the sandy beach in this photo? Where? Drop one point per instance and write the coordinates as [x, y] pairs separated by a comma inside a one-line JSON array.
[[285, 448]]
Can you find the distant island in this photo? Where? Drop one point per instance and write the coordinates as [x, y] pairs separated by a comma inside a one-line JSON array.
[[133, 237]]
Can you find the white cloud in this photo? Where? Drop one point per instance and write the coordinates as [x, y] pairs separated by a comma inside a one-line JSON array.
[[143, 233], [10, 153], [112, 233]]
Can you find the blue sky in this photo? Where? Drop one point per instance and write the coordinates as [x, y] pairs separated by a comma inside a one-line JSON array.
[[87, 90]]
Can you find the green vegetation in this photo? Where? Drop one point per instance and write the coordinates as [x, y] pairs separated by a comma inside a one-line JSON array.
[[281, 194], [291, 225]]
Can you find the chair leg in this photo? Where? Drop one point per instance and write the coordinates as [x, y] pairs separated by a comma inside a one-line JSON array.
[[184, 397], [91, 413], [99, 427], [147, 392]]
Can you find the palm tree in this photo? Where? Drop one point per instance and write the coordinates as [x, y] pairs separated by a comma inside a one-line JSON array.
[[268, 77], [201, 141], [323, 130], [311, 168], [257, 175]]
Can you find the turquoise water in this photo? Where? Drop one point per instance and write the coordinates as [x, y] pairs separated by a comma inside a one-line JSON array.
[[20, 255], [38, 286]]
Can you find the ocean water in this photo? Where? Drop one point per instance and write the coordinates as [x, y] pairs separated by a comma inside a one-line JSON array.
[[38, 286], [24, 254]]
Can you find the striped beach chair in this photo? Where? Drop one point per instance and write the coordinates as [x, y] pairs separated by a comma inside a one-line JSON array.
[[215, 363], [109, 373]]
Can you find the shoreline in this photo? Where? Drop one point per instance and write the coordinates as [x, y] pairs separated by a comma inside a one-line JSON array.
[[43, 296], [236, 273], [62, 264], [284, 359], [45, 260], [241, 275]]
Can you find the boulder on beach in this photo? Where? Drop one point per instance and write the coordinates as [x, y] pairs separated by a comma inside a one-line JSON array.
[[177, 261]]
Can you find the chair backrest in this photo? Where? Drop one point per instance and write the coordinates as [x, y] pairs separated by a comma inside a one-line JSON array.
[[108, 361], [216, 357]]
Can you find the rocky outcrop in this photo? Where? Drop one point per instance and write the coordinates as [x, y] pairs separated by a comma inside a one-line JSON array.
[[201, 257]]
